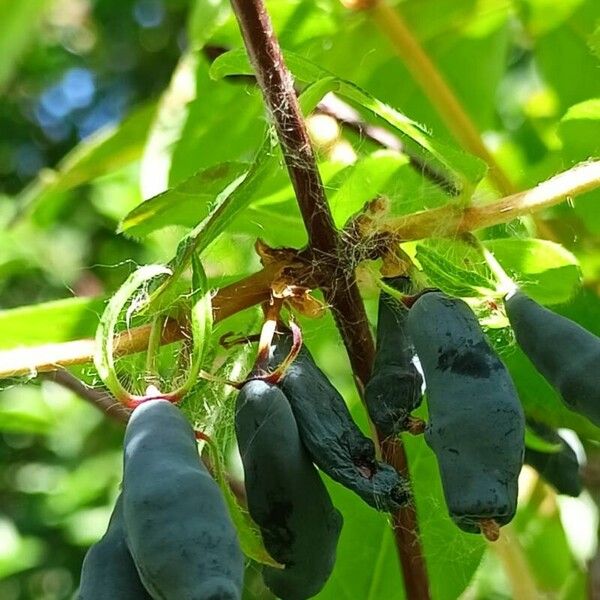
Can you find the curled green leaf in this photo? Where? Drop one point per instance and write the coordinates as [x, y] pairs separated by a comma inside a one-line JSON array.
[[201, 323], [104, 351]]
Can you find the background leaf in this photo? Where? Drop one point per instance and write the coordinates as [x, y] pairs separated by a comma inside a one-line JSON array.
[[543, 269], [465, 169], [13, 421], [49, 323], [19, 24], [579, 131], [104, 152], [205, 17], [184, 204]]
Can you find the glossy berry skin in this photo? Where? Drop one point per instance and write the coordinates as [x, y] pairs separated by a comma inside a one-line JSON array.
[[566, 354], [476, 424], [560, 469], [108, 571], [178, 528], [394, 389], [286, 497], [333, 440]]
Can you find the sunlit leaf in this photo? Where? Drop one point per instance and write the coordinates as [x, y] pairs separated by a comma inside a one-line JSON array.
[[205, 16], [543, 269], [18, 24], [185, 204], [579, 130], [535, 442], [17, 553], [464, 169], [167, 126], [50, 322], [13, 421]]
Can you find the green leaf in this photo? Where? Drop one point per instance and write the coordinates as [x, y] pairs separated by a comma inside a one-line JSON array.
[[18, 24], [97, 155], [535, 442], [452, 32], [104, 351], [361, 182], [557, 50], [50, 322], [201, 325], [15, 421], [211, 136], [579, 130], [167, 126], [463, 169], [228, 203], [17, 553], [544, 270], [187, 203], [542, 16], [204, 18], [84, 483], [449, 267]]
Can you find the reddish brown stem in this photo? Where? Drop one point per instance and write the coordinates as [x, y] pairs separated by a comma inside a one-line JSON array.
[[341, 290], [228, 301], [277, 87], [100, 398], [406, 530]]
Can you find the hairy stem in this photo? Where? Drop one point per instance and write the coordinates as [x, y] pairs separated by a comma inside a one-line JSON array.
[[344, 114], [451, 220], [229, 300], [277, 87], [445, 221], [341, 291]]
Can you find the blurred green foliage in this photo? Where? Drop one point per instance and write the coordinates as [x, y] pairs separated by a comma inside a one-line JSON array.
[[105, 104]]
